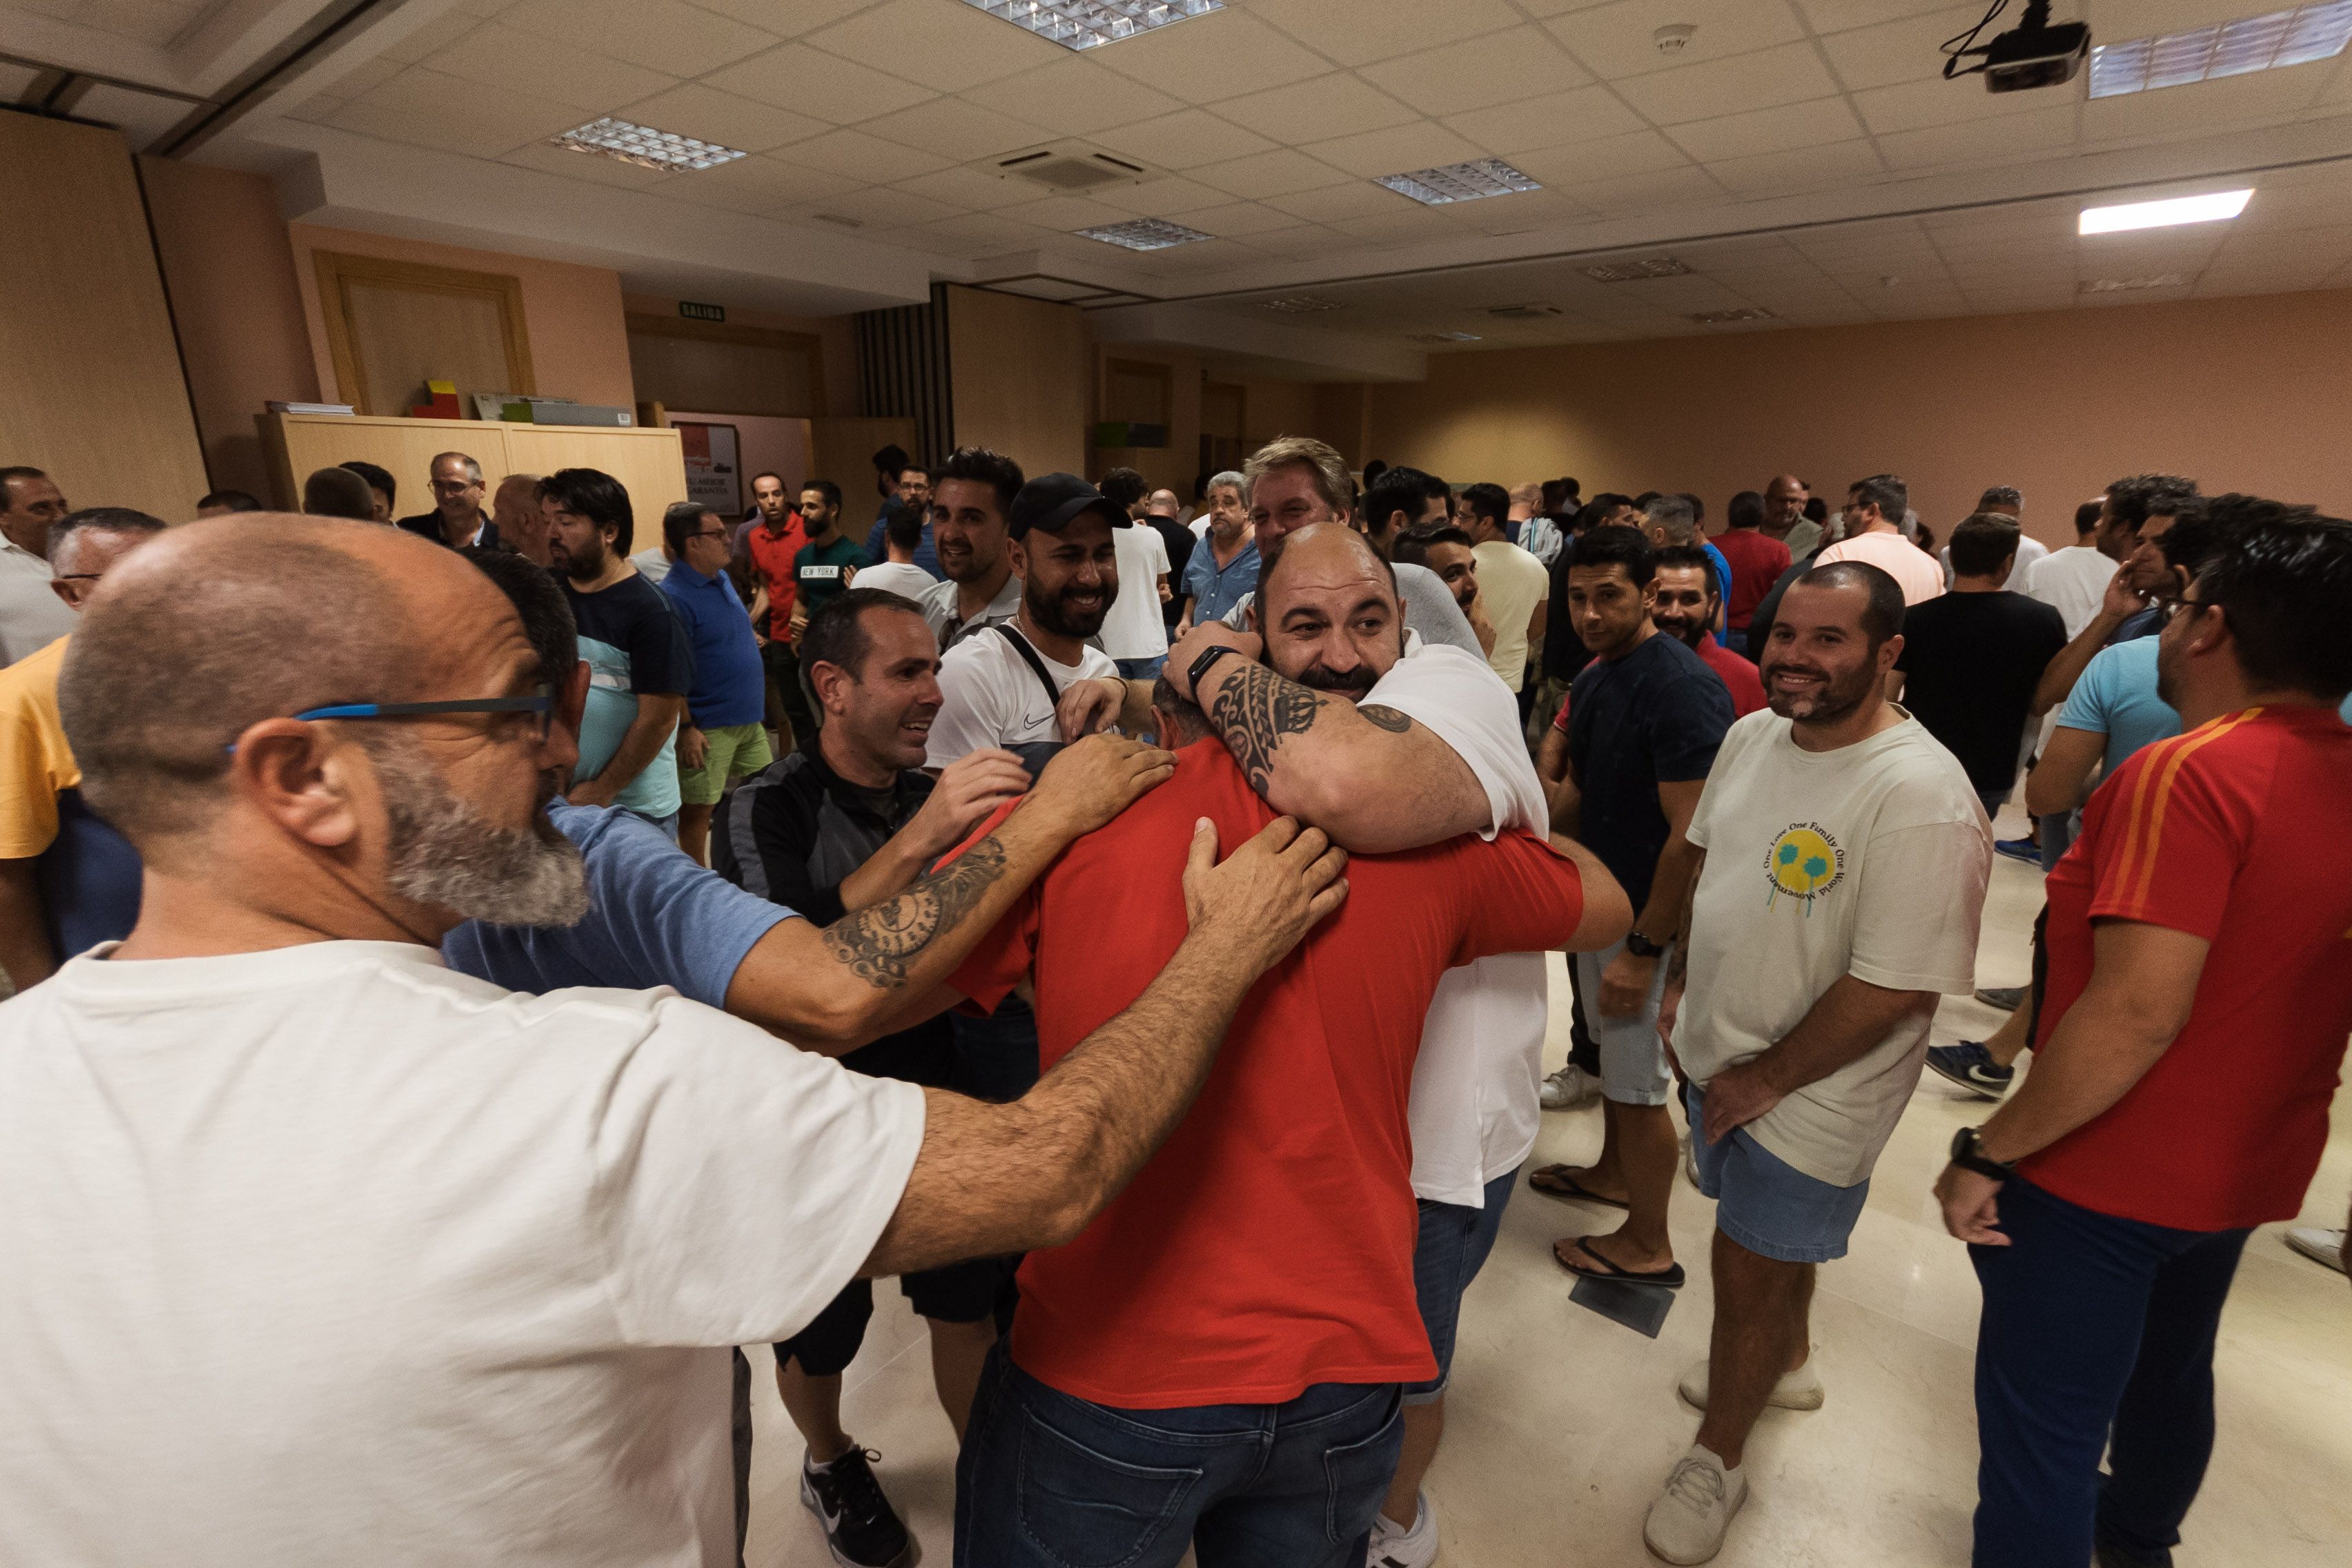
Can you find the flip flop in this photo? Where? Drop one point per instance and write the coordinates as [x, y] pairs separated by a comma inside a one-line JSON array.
[[1670, 1277], [1553, 1181]]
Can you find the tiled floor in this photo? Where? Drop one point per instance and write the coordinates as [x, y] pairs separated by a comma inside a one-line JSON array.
[[1563, 1425]]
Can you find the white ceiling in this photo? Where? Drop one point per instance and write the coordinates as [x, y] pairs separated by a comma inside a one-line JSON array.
[[1810, 121]]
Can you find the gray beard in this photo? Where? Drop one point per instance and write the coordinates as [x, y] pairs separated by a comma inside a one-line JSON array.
[[443, 853]]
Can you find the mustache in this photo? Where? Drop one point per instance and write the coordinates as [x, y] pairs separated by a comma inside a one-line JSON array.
[[1317, 678]]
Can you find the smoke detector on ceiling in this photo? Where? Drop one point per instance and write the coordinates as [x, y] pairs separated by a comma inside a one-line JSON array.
[[1673, 38], [1067, 167]]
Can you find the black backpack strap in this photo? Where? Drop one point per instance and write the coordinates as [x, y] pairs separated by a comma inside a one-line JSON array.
[[1029, 656]]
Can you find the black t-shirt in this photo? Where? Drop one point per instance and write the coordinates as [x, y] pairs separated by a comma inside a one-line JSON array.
[[1179, 542], [1652, 717], [1969, 664]]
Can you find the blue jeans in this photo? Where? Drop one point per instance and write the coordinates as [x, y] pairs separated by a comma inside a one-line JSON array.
[[2097, 1337], [1141, 668], [1449, 1250], [2057, 835], [1047, 1480]]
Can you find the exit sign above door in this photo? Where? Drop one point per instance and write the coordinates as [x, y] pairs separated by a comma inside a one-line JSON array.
[[694, 313]]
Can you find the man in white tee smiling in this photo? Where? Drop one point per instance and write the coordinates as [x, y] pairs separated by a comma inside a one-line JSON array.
[[319, 1251], [1845, 865]]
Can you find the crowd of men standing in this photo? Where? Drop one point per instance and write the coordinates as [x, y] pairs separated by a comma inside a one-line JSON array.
[[1189, 1068]]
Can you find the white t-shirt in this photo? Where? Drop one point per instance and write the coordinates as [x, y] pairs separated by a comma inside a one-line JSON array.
[[1475, 1103], [2029, 550], [32, 617], [994, 699], [2072, 582], [1511, 584], [651, 565], [1135, 629], [1870, 860], [902, 577], [329, 1252]]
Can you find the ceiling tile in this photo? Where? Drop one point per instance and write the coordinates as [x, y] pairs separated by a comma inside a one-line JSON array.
[[1552, 119], [855, 155], [710, 115], [1171, 196], [1337, 104], [1916, 105], [1424, 145], [1075, 96], [790, 18], [430, 38], [931, 242], [798, 77], [2010, 136], [1185, 139], [1499, 67], [430, 108], [1611, 157], [1000, 233], [1063, 213], [1778, 129], [1274, 173], [1663, 187], [1789, 74], [756, 184], [946, 47], [954, 128], [1904, 50], [1240, 220], [549, 159], [1355, 32], [502, 58], [1614, 42], [1222, 54], [881, 207], [1307, 239], [1357, 198], [662, 35], [965, 188], [1518, 213], [1801, 169], [1405, 228]]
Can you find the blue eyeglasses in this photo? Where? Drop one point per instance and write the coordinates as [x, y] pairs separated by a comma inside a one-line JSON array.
[[540, 702]]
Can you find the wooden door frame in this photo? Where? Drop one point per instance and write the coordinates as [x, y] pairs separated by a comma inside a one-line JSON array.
[[338, 270]]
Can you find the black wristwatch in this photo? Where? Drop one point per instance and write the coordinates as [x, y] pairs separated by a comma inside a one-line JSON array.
[[1641, 946], [1968, 1153], [1200, 666]]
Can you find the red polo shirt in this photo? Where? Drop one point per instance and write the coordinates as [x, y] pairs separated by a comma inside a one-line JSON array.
[[1757, 561], [2238, 832], [1268, 1246], [772, 558]]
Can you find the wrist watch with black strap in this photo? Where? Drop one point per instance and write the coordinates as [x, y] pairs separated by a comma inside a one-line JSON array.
[[1968, 1153], [1200, 666], [1641, 946]]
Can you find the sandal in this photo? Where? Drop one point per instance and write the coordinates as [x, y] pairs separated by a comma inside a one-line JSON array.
[[1554, 1182], [1670, 1277]]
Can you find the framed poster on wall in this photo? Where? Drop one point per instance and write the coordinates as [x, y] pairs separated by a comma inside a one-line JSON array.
[[714, 473]]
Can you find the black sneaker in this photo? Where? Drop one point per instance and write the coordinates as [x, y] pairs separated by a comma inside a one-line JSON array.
[[861, 1529], [1970, 1066]]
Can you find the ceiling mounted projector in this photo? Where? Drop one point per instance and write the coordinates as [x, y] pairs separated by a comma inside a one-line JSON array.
[[2032, 54]]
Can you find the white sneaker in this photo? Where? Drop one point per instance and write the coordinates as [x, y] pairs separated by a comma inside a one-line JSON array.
[[1690, 1159], [1569, 1088], [1687, 1524], [2318, 1244], [1414, 1548], [1799, 1390]]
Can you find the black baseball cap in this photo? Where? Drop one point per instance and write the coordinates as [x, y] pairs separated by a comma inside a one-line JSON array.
[[1054, 501]]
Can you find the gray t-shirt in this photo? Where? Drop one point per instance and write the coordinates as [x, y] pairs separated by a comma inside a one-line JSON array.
[[1429, 610]]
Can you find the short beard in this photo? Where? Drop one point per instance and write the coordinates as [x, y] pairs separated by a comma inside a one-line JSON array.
[[1351, 684], [444, 854], [1049, 613], [1836, 700]]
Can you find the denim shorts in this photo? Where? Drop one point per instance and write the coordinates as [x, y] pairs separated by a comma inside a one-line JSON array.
[[1452, 1247], [1767, 1204], [1632, 1058]]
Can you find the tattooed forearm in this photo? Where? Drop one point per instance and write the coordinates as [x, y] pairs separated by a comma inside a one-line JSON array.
[[1254, 710], [1380, 718], [880, 944]]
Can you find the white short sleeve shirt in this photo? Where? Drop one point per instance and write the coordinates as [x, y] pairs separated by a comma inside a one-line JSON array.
[[330, 1245], [994, 699], [1134, 628], [1476, 1085]]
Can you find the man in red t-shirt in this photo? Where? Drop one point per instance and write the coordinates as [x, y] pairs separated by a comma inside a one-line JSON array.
[[1264, 1258], [2199, 941], [1757, 561], [772, 541], [1685, 608]]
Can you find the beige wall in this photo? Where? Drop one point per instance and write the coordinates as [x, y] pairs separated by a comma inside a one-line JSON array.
[[239, 311], [92, 389], [1021, 379], [837, 336], [2250, 393], [579, 345]]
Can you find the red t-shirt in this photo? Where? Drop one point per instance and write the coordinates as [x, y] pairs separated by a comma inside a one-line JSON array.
[[772, 558], [1268, 1246], [1757, 561], [1739, 675], [2238, 832]]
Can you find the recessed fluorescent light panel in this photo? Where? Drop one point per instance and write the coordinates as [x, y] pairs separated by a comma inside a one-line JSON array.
[[1633, 271], [2291, 36], [645, 147], [1723, 318], [1459, 182], [1300, 304], [2125, 285], [2210, 208], [1145, 233], [1445, 337], [1090, 24]]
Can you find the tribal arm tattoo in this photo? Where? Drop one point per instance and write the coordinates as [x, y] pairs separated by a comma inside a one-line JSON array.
[[881, 943], [1256, 710]]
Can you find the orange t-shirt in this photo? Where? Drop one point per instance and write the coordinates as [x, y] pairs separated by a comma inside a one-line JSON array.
[[1268, 1246]]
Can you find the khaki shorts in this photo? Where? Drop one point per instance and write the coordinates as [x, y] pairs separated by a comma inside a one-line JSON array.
[[734, 751]]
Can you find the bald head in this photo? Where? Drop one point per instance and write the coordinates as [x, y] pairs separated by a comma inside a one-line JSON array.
[[1324, 554], [1327, 607], [220, 624]]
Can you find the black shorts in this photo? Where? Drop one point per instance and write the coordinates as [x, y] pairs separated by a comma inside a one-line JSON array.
[[960, 1293]]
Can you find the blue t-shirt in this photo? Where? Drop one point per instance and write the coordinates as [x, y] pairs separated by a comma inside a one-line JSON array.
[[655, 918], [927, 555], [1722, 565], [729, 686], [1654, 716], [1217, 590], [2117, 697]]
